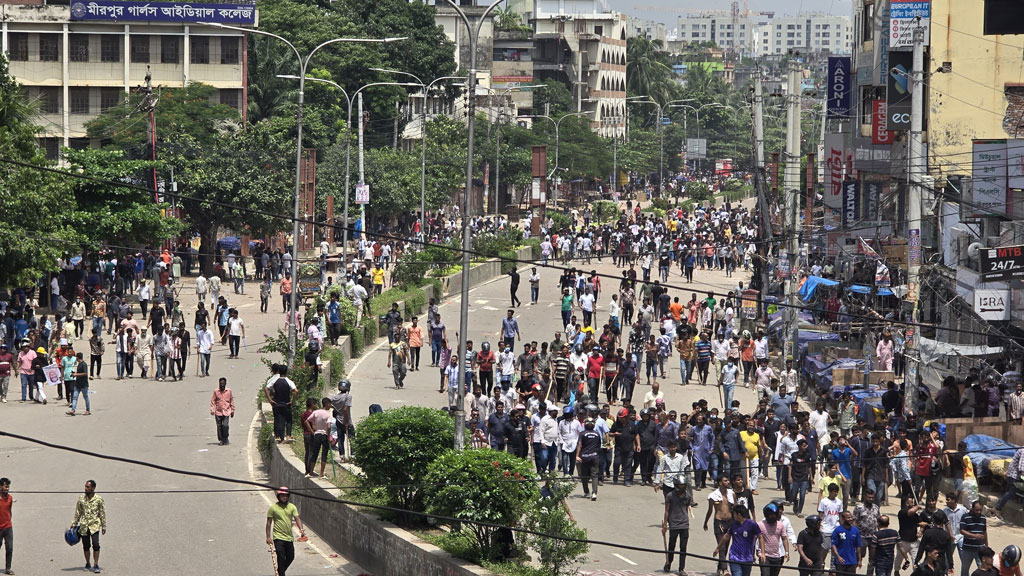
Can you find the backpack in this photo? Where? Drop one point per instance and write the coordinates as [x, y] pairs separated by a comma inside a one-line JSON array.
[[375, 409], [313, 347]]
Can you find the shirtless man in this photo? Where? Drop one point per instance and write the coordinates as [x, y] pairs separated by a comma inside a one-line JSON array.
[[720, 504]]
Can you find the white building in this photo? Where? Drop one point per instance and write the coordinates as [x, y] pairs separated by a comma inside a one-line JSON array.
[[764, 34], [582, 43], [813, 33], [78, 60], [649, 29]]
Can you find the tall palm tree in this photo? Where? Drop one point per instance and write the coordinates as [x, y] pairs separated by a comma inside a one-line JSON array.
[[647, 73], [269, 95]]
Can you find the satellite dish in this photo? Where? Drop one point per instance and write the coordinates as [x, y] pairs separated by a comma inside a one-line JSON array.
[[974, 249]]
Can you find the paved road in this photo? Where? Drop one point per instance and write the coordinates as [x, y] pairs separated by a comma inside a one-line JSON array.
[[623, 515], [163, 422]]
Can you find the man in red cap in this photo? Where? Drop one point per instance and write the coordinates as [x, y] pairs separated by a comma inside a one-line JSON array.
[[280, 517]]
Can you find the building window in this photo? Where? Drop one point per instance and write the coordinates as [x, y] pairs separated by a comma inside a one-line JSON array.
[[79, 100], [49, 100], [52, 147], [231, 97], [169, 52], [140, 49], [867, 97], [598, 30], [18, 46], [110, 48], [79, 48], [110, 97], [200, 50], [229, 50], [868, 23], [824, 26], [49, 48]]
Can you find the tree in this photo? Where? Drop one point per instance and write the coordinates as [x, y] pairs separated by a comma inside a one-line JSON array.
[[648, 72], [394, 448], [553, 98], [37, 205], [179, 111], [561, 554], [269, 96], [483, 486], [112, 214], [240, 181]]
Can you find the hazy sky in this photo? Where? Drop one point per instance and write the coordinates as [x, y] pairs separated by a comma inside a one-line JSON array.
[[668, 10]]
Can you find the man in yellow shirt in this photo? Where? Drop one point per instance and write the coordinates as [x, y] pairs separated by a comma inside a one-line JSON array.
[[752, 451], [377, 275], [280, 516]]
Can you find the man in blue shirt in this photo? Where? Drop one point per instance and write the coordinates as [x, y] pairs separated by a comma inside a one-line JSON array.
[[846, 545], [510, 330], [334, 318], [842, 456]]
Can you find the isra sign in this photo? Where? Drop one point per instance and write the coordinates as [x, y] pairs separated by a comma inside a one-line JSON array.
[[992, 305]]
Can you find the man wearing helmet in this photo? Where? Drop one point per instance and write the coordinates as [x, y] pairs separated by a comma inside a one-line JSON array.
[[280, 517], [1009, 561], [810, 548], [342, 405]]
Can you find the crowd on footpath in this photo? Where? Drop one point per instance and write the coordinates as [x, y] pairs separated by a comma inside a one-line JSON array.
[[568, 404]]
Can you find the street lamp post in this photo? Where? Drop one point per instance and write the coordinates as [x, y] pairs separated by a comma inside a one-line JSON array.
[[697, 112], [557, 123], [661, 135], [474, 35], [349, 100], [303, 65]]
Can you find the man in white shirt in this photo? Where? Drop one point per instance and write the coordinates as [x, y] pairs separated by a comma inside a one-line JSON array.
[[789, 380], [358, 295], [761, 346], [720, 350], [652, 397], [549, 438], [204, 346], [829, 510], [613, 312], [819, 419]]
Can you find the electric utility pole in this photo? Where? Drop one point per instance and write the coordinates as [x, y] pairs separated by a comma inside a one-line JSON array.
[[792, 192], [915, 174]]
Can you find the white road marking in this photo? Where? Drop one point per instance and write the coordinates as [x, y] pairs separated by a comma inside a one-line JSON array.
[[492, 308], [624, 559], [481, 301]]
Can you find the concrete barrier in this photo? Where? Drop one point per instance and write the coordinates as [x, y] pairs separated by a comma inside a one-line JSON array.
[[377, 546], [483, 272]]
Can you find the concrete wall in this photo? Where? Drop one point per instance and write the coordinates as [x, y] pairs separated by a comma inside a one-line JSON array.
[[482, 272], [379, 547]]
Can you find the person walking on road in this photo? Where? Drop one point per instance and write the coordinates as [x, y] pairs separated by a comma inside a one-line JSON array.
[[677, 523], [318, 426], [514, 286], [81, 386], [6, 527], [222, 408], [90, 521], [280, 517]]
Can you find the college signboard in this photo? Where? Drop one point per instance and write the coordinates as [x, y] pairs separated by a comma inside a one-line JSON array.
[[121, 11]]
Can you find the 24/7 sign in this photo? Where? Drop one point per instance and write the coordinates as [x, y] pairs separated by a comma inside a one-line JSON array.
[[1004, 263]]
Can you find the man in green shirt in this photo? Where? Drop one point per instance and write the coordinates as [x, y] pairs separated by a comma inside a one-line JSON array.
[[91, 521], [279, 529]]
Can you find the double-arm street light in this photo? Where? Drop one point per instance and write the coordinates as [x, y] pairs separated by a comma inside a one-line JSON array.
[[349, 100], [696, 111], [423, 123], [661, 146], [474, 36], [557, 123], [303, 65]]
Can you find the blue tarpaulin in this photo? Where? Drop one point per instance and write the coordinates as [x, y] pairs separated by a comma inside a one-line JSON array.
[[860, 289], [983, 449], [812, 283]]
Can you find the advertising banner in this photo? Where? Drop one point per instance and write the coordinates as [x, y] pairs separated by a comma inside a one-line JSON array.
[[898, 97], [834, 161], [120, 11], [851, 202], [839, 87], [1002, 263], [903, 18], [879, 134], [989, 173]]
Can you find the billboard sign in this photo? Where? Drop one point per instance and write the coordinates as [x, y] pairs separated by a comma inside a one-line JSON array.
[[1003, 263], [834, 162], [839, 87], [851, 202], [879, 134], [903, 18], [989, 172], [898, 96]]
